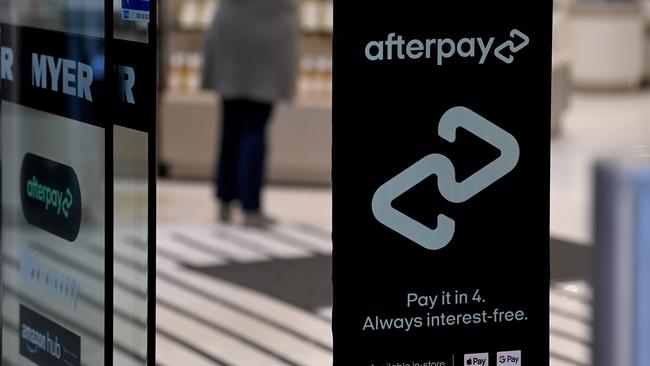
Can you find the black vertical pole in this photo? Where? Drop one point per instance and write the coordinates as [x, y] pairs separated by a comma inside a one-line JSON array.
[[152, 110], [109, 75], [1, 221]]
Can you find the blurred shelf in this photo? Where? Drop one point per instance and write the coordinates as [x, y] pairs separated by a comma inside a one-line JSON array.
[[200, 30], [300, 135], [203, 96], [318, 32], [182, 29]]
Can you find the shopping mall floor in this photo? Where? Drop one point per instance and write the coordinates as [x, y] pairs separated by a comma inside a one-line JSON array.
[[234, 296]]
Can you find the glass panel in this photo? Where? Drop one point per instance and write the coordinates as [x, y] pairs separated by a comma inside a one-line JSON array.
[[53, 186], [71, 16], [131, 245], [131, 183], [60, 279]]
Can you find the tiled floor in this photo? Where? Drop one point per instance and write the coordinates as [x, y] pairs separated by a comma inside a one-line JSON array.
[[228, 296], [237, 297]]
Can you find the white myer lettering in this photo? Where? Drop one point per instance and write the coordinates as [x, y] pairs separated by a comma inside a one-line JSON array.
[[127, 82], [6, 63], [74, 77], [39, 71], [395, 47], [55, 71]]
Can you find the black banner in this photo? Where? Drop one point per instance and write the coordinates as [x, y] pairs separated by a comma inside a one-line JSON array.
[[45, 342], [441, 160], [65, 74]]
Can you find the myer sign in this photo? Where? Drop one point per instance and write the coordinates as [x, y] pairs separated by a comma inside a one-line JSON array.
[[60, 74], [73, 78]]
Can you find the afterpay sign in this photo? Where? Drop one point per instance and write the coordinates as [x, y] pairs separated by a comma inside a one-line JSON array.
[[51, 197], [441, 171]]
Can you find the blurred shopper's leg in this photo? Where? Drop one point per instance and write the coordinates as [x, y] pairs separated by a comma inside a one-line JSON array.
[[255, 117], [231, 132]]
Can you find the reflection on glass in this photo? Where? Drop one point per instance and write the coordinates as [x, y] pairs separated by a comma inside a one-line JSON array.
[[71, 16]]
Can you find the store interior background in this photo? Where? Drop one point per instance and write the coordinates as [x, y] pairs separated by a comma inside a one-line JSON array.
[[232, 296], [600, 111], [243, 297]]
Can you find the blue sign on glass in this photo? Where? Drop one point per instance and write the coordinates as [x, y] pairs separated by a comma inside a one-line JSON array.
[[135, 10]]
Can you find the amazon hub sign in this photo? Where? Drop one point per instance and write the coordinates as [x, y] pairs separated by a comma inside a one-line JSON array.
[[441, 182]]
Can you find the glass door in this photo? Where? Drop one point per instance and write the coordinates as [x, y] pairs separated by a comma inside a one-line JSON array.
[[68, 298]]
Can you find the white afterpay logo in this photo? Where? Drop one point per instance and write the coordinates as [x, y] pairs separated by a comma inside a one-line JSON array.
[[442, 50], [442, 167]]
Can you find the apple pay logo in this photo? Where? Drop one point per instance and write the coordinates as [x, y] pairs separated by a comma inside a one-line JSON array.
[[443, 168], [477, 359], [510, 358]]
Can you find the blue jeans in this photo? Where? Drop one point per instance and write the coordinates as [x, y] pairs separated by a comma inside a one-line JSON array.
[[241, 165]]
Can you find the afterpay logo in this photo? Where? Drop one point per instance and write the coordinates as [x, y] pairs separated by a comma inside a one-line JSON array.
[[50, 196], [442, 167], [396, 47]]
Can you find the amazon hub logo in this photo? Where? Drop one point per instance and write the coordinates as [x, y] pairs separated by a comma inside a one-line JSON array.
[[45, 342], [443, 168], [51, 196], [396, 47]]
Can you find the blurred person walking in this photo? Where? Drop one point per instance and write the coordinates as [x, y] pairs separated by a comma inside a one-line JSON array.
[[251, 59]]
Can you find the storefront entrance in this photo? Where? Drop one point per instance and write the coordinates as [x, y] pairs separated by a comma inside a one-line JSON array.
[[78, 122]]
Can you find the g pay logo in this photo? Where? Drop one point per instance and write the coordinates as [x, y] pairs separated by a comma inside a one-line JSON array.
[[443, 168], [477, 359], [510, 358]]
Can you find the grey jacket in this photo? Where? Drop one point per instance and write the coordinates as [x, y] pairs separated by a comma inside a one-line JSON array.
[[252, 50]]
